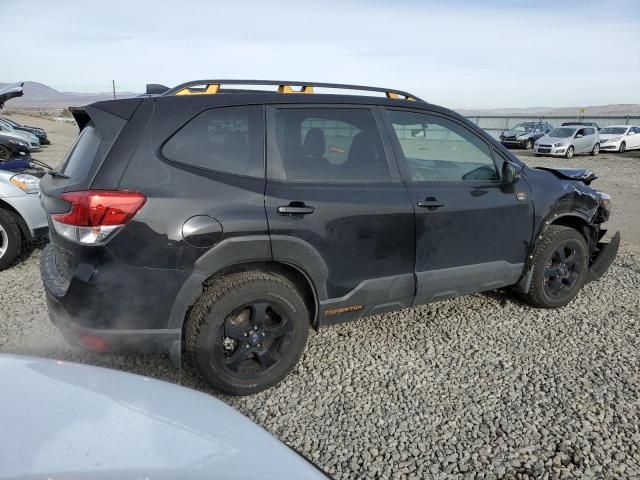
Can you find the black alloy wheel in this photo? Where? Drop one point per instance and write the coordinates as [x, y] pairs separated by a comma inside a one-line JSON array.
[[253, 339]]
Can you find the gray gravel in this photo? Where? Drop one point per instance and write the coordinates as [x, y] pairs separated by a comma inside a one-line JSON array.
[[478, 387]]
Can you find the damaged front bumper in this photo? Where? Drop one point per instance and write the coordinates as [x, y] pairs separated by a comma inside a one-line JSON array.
[[603, 257]]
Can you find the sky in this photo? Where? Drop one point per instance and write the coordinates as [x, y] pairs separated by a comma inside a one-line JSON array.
[[460, 54]]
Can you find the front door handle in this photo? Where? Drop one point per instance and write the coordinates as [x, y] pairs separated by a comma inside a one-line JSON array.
[[295, 208], [431, 203]]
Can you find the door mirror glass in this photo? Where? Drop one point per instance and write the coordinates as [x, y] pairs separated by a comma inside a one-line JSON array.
[[510, 173]]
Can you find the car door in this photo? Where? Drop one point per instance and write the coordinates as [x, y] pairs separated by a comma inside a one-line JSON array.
[[472, 234], [634, 139], [581, 141], [337, 208]]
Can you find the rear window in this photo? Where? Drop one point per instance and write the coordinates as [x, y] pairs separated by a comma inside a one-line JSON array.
[[227, 139], [82, 153]]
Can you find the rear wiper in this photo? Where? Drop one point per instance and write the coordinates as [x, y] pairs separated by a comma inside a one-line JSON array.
[[54, 173]]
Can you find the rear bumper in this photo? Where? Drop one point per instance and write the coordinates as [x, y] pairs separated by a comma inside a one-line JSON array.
[[95, 313]]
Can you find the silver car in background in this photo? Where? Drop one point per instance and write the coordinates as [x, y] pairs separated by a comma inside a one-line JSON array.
[[568, 141]]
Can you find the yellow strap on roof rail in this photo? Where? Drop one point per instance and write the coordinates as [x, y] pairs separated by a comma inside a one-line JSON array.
[[289, 89], [210, 90], [398, 97]]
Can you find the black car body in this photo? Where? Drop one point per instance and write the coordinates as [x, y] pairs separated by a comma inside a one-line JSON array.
[[586, 124], [12, 148], [38, 132], [169, 205], [524, 134]]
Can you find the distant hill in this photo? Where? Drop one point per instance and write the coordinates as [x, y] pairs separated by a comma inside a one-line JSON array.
[[616, 109], [38, 95]]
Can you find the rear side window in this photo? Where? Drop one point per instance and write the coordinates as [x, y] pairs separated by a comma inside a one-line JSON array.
[[227, 139], [82, 153], [330, 144]]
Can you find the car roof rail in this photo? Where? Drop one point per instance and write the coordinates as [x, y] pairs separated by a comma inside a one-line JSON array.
[[210, 87]]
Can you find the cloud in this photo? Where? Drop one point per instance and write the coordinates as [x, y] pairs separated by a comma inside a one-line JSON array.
[[459, 54]]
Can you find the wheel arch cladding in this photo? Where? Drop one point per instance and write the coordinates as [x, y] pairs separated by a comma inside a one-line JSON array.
[[195, 284]]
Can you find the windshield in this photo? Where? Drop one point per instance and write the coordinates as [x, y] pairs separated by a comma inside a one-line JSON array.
[[562, 132], [523, 127], [613, 131]]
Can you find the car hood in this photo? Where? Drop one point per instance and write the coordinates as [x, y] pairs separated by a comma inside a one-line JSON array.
[[24, 136], [66, 420], [584, 175], [513, 133], [608, 136], [551, 140], [10, 91]]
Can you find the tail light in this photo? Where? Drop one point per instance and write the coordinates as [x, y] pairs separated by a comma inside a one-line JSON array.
[[96, 214]]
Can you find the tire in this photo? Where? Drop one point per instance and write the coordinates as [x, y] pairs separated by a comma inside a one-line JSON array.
[[596, 150], [5, 153], [556, 280], [220, 339], [528, 145], [10, 239], [569, 153], [623, 147]]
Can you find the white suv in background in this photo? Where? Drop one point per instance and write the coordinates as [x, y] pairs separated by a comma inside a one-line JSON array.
[[620, 138]]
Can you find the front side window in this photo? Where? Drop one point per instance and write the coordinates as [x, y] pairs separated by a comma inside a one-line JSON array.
[[438, 149], [330, 144], [226, 139]]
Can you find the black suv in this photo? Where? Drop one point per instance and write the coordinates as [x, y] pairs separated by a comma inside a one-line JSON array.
[[227, 221]]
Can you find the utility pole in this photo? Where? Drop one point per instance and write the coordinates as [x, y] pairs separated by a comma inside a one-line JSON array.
[[113, 84]]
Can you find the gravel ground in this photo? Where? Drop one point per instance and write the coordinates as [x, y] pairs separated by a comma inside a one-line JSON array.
[[477, 387]]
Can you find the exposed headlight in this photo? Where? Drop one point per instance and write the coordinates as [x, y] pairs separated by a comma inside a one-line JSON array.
[[605, 201], [559, 144], [521, 137], [26, 183]]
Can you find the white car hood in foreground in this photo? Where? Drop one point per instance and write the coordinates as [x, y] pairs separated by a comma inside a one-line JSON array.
[[65, 420]]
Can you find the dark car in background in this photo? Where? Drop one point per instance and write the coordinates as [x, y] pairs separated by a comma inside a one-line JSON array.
[[38, 132], [227, 222], [11, 148], [524, 134], [580, 124]]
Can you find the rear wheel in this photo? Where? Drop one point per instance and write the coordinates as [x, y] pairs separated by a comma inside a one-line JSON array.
[[246, 332], [5, 153], [560, 264], [569, 153], [596, 150], [10, 239], [623, 147]]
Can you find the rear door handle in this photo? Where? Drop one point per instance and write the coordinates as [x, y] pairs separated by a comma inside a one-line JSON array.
[[296, 208]]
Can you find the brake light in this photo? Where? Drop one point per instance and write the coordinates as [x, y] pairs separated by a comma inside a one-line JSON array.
[[96, 214]]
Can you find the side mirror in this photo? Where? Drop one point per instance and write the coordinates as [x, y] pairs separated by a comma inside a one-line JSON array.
[[510, 173], [579, 135], [631, 133]]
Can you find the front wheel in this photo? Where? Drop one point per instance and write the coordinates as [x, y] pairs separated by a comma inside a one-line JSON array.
[[569, 153], [528, 144], [596, 150], [623, 147], [560, 264], [246, 332], [10, 239]]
